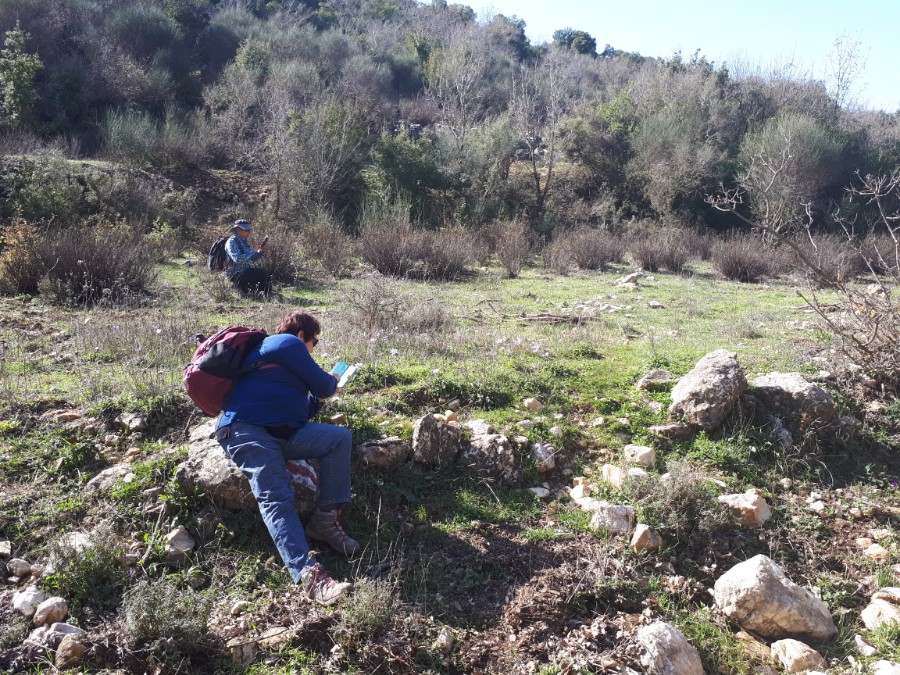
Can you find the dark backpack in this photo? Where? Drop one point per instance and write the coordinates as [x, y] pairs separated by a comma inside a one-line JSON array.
[[217, 257], [217, 364]]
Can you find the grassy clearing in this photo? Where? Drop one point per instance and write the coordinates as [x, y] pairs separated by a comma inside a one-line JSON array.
[[461, 553]]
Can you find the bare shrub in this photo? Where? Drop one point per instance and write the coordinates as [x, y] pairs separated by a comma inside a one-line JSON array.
[[375, 603], [446, 253], [279, 259], [323, 241], [595, 249], [375, 305], [513, 247], [557, 255], [881, 254], [698, 243], [836, 258], [218, 287], [868, 323], [655, 249], [741, 257], [389, 243], [79, 266]]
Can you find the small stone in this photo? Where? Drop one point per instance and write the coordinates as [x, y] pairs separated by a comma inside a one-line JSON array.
[[864, 542], [26, 602], [340, 418], [786, 483], [444, 641], [599, 422], [577, 492], [19, 567], [817, 506], [545, 456], [612, 475], [51, 610], [877, 552], [539, 492], [179, 543], [70, 652], [655, 304], [750, 509], [613, 519], [797, 657], [532, 404], [5, 549], [451, 416], [645, 538], [674, 432], [239, 607], [864, 647], [556, 432], [132, 453], [640, 454]]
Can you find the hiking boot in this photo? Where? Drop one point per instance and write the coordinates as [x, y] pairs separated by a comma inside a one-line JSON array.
[[326, 526], [320, 587]]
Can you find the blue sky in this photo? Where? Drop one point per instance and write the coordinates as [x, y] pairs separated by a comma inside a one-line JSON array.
[[764, 34]]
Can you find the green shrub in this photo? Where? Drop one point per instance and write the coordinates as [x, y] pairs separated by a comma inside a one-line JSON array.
[[89, 578], [684, 505], [164, 617], [131, 135]]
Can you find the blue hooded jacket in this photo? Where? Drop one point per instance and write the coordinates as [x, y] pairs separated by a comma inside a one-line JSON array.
[[283, 391]]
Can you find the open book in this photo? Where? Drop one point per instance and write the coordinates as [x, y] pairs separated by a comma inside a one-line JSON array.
[[345, 371]]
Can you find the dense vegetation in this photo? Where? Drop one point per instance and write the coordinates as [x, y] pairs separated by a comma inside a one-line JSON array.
[[338, 105]]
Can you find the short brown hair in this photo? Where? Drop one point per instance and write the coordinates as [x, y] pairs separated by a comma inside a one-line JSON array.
[[297, 321]]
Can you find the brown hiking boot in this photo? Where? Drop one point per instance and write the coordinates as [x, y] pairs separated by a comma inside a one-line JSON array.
[[320, 587], [326, 526]]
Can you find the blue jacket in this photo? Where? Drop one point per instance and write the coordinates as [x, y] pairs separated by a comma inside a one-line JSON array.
[[278, 392], [240, 255]]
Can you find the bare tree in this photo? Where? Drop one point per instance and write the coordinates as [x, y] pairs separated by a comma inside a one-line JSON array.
[[537, 108], [845, 64]]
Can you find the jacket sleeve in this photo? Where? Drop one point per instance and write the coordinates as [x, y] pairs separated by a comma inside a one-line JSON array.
[[292, 354], [239, 251]]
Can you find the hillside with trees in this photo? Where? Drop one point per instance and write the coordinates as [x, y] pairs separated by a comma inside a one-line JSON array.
[[338, 105]]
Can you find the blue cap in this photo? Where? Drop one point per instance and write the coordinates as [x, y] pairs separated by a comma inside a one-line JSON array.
[[243, 224]]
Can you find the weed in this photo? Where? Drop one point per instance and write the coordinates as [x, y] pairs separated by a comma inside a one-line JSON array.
[[165, 618], [91, 578], [373, 607]]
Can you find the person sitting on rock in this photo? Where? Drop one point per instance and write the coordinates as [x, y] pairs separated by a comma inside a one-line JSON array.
[[265, 423], [241, 255]]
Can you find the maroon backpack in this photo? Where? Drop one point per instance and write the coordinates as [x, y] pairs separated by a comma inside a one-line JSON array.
[[217, 364]]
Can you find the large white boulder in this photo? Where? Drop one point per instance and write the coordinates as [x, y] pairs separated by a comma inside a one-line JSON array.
[[707, 394], [758, 595], [667, 652]]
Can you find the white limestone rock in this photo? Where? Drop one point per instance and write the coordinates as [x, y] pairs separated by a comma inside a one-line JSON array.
[[612, 519], [797, 657], [51, 610], [758, 595], [26, 602], [749, 508], [640, 454], [707, 394], [666, 651]]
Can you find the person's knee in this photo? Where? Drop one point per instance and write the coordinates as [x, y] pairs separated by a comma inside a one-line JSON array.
[[343, 439]]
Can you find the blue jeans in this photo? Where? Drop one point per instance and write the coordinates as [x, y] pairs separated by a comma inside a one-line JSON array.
[[261, 458]]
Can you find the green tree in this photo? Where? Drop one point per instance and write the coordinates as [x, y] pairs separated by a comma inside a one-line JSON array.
[[577, 40], [17, 73]]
